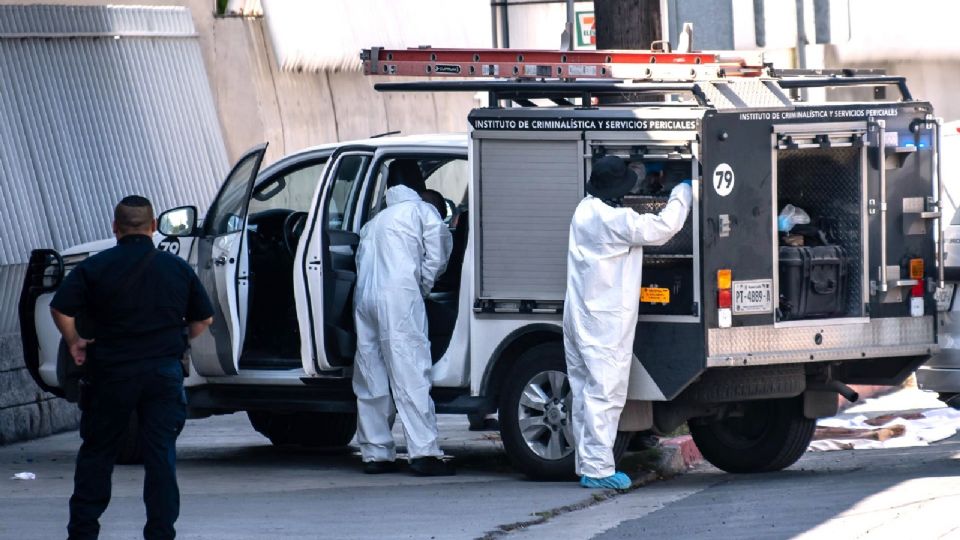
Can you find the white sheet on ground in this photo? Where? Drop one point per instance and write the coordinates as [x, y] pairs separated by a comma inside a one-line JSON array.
[[937, 423]]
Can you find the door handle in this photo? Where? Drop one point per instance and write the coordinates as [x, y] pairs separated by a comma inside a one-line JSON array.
[[882, 149], [938, 139], [220, 261]]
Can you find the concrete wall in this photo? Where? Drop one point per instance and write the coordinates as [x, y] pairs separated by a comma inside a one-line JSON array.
[[292, 111], [26, 411], [256, 102], [930, 79]]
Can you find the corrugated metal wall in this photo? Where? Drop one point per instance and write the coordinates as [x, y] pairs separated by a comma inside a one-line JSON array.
[[97, 103], [11, 280]]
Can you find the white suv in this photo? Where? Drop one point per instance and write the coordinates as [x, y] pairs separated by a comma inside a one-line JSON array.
[[276, 254]]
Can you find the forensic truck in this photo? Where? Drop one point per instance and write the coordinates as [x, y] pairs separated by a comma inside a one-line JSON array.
[[810, 260]]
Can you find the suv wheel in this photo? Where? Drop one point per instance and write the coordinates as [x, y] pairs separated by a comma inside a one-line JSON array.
[[535, 409]]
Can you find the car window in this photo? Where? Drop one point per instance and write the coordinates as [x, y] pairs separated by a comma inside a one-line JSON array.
[[292, 190], [343, 194], [449, 176], [228, 211]]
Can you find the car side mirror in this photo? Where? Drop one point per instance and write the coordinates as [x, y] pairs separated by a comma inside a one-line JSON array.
[[181, 221]]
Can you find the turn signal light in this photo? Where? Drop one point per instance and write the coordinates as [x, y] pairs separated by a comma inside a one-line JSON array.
[[916, 268], [725, 278]]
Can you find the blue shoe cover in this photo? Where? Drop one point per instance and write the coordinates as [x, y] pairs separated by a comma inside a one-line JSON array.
[[616, 481]]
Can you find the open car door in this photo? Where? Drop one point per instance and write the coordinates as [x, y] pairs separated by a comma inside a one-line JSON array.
[[222, 268], [326, 271]]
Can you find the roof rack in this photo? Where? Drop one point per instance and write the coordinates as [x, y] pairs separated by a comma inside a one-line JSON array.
[[522, 75], [569, 65], [557, 91]]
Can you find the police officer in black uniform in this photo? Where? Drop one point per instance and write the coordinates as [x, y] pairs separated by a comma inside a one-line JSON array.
[[137, 305]]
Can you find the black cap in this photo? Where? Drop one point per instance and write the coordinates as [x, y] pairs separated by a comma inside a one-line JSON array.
[[611, 178]]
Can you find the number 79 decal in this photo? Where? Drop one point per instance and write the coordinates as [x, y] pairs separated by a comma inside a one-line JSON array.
[[723, 179]]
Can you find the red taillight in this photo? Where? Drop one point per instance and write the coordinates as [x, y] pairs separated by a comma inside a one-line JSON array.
[[917, 290], [724, 299]]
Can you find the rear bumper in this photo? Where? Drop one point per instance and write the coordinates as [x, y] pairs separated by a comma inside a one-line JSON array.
[[819, 342], [936, 379], [942, 372]]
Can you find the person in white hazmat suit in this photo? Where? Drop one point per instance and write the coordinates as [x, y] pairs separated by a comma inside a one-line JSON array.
[[600, 311], [402, 251]]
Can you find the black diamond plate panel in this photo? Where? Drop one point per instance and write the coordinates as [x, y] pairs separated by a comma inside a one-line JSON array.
[[681, 243], [826, 183]]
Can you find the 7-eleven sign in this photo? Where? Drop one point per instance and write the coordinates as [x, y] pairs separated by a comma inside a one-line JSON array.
[[586, 33]]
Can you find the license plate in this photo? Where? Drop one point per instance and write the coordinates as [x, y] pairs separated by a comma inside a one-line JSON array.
[[750, 297], [654, 295], [944, 296]]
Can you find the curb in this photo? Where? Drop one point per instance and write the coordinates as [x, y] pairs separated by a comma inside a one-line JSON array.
[[671, 457], [678, 455]]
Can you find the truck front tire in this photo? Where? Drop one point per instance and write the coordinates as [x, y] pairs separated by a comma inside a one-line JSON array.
[[313, 429], [535, 409], [769, 435]]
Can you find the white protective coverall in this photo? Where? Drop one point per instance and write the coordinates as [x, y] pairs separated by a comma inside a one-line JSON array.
[[402, 251], [600, 315]]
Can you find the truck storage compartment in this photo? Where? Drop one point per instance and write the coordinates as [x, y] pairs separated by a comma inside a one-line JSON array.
[[681, 243], [812, 281], [668, 268], [821, 270]]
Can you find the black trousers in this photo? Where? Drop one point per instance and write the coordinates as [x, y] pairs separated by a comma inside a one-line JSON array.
[[157, 396]]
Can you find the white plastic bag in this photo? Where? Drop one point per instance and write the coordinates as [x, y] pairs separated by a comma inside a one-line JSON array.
[[24, 476], [790, 216]]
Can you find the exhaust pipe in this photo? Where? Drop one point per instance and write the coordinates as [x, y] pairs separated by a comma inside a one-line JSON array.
[[848, 393]]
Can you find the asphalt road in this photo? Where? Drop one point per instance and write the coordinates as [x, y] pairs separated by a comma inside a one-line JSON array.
[[236, 486], [907, 493]]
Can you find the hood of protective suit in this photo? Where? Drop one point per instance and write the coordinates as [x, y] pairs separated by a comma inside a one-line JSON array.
[[399, 194]]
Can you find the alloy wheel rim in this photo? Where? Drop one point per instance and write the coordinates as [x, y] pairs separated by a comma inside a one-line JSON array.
[[544, 415]]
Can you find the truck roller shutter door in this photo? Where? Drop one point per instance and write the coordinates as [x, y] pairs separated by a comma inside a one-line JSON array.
[[528, 192]]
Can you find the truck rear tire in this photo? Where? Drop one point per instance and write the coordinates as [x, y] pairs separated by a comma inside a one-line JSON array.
[[320, 430], [769, 436], [537, 434]]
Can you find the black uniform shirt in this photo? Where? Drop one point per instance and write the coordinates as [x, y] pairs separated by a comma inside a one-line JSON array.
[[148, 322]]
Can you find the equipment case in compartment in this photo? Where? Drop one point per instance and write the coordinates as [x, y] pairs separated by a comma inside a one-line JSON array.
[[812, 281]]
